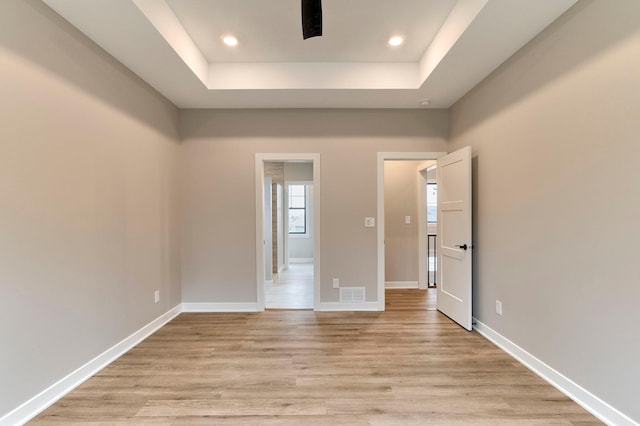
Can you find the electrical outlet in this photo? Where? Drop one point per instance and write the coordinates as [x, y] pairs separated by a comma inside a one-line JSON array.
[[498, 307], [370, 222], [336, 283], [156, 296], [407, 220]]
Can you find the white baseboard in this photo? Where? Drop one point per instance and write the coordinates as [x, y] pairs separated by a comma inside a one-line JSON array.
[[580, 395], [337, 306], [47, 397], [220, 307], [301, 260], [401, 284]]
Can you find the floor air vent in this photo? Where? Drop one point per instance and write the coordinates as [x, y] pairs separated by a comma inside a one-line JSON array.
[[351, 294]]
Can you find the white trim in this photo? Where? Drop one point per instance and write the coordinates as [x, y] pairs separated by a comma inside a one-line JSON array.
[[337, 306], [267, 204], [259, 206], [382, 156], [221, 307], [316, 231], [401, 284], [301, 260], [285, 226], [596, 406], [53, 393]]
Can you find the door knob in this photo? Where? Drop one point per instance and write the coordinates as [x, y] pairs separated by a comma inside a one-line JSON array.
[[463, 247]]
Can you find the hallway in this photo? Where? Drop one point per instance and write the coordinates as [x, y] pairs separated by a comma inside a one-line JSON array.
[[293, 289]]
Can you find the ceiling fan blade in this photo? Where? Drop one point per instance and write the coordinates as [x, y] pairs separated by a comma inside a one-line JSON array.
[[311, 18]]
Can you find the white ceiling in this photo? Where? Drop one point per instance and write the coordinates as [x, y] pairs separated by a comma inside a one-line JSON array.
[[270, 31], [175, 45]]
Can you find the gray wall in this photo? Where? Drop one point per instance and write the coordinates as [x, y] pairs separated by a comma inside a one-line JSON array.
[[218, 225], [298, 172], [554, 133], [88, 220], [275, 171], [88, 214], [401, 239], [301, 247]]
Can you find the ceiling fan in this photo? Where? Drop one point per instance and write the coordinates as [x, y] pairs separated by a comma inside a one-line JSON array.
[[311, 18]]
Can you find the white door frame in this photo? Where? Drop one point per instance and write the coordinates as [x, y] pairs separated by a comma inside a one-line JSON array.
[[382, 157], [259, 204]]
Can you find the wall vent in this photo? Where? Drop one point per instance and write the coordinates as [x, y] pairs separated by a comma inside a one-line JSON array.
[[352, 294]]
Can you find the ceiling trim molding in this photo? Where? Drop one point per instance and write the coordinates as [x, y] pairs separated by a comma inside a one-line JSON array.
[[474, 39]]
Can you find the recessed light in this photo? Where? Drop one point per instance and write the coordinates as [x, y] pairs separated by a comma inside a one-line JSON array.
[[425, 102], [230, 40], [396, 41]]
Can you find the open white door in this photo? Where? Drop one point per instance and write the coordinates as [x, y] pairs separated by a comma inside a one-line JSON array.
[[454, 233]]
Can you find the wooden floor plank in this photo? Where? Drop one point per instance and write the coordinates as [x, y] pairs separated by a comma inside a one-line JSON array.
[[409, 365]]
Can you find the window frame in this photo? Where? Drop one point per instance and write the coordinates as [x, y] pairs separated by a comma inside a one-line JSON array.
[[305, 209], [427, 200]]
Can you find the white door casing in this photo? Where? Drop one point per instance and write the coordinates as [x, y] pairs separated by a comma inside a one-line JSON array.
[[267, 232], [454, 236], [280, 226]]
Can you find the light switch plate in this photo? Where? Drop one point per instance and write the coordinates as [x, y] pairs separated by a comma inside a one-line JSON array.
[[407, 220]]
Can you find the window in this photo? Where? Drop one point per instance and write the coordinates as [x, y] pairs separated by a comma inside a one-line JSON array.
[[297, 209], [432, 202]]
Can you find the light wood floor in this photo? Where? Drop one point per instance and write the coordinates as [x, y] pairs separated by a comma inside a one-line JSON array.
[[401, 367], [293, 289], [410, 300]]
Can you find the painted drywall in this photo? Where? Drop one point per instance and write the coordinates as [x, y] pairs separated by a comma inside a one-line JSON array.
[[218, 223], [401, 239], [298, 172], [554, 133], [275, 171], [431, 175], [301, 247], [88, 211]]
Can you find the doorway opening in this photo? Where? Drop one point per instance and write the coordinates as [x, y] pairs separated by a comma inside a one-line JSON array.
[[403, 258], [454, 288], [292, 284], [287, 235], [428, 216]]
